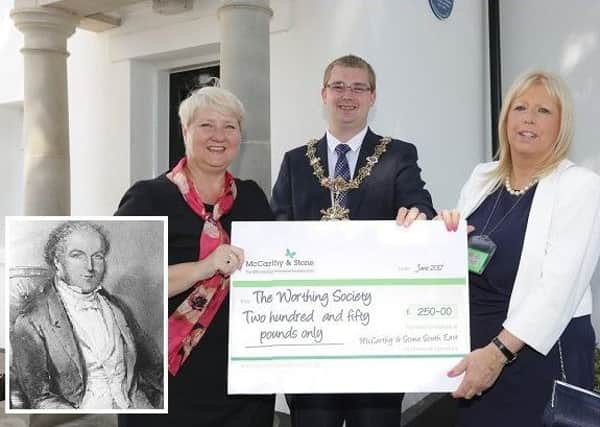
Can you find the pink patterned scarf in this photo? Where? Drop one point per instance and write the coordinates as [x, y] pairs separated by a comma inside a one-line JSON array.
[[190, 321]]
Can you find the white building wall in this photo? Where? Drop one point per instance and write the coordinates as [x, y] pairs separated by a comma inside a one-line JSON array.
[[99, 120], [11, 60], [11, 161], [563, 37], [11, 200]]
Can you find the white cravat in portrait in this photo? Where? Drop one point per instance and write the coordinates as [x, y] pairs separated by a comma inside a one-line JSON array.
[[101, 346]]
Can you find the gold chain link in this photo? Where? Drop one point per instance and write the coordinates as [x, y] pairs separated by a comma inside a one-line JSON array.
[[339, 184]]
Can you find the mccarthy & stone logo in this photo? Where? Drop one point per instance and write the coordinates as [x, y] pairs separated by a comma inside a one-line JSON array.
[[289, 262]]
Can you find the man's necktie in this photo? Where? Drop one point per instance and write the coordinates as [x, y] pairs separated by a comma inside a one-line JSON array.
[[342, 170]]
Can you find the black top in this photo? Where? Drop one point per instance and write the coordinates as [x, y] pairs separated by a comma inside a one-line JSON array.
[[201, 383]]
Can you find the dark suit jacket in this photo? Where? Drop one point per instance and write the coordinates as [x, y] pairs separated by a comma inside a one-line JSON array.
[[395, 181], [49, 366]]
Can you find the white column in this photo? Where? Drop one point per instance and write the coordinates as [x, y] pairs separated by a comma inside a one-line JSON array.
[[245, 51], [45, 108]]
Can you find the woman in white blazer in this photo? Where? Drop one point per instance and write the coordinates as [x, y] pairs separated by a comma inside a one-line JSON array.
[[536, 223]]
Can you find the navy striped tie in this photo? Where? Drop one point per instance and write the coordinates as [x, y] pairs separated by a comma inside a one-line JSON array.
[[342, 170]]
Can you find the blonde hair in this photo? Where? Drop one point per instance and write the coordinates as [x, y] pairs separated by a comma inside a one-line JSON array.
[[212, 98], [558, 90]]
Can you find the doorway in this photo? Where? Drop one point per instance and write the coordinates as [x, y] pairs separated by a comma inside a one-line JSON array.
[[181, 84]]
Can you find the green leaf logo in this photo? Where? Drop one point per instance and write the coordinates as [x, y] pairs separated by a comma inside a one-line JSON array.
[[289, 253]]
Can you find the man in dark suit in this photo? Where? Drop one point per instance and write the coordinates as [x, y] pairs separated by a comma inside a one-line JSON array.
[[350, 173], [75, 346]]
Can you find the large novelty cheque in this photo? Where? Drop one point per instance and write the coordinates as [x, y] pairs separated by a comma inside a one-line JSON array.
[[347, 306]]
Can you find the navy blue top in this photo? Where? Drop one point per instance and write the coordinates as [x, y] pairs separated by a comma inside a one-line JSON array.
[[520, 393], [490, 292]]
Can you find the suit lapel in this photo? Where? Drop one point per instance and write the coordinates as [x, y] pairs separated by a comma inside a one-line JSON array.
[[366, 149], [323, 201], [62, 329]]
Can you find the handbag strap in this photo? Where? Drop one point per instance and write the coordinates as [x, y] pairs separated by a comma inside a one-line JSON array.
[[563, 374]]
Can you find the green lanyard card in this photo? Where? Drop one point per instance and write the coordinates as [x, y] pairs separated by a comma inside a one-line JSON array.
[[481, 251]]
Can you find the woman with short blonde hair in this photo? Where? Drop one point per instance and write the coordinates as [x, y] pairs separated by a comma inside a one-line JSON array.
[[201, 199]]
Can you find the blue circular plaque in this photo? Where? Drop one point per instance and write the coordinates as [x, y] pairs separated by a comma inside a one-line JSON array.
[[441, 8]]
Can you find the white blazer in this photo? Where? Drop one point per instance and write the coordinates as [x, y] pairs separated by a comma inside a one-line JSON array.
[[560, 251]]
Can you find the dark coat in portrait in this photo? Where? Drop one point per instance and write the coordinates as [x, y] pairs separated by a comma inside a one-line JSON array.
[[49, 366]]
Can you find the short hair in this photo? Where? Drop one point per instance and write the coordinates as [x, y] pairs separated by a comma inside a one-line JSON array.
[[214, 98], [57, 237], [559, 91], [351, 61]]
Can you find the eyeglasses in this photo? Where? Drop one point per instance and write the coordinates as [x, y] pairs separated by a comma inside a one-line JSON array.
[[355, 88]]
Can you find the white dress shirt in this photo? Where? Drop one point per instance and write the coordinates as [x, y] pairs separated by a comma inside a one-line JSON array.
[[352, 155]]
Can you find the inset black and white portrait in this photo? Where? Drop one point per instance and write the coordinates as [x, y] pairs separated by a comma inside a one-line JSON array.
[[86, 314]]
